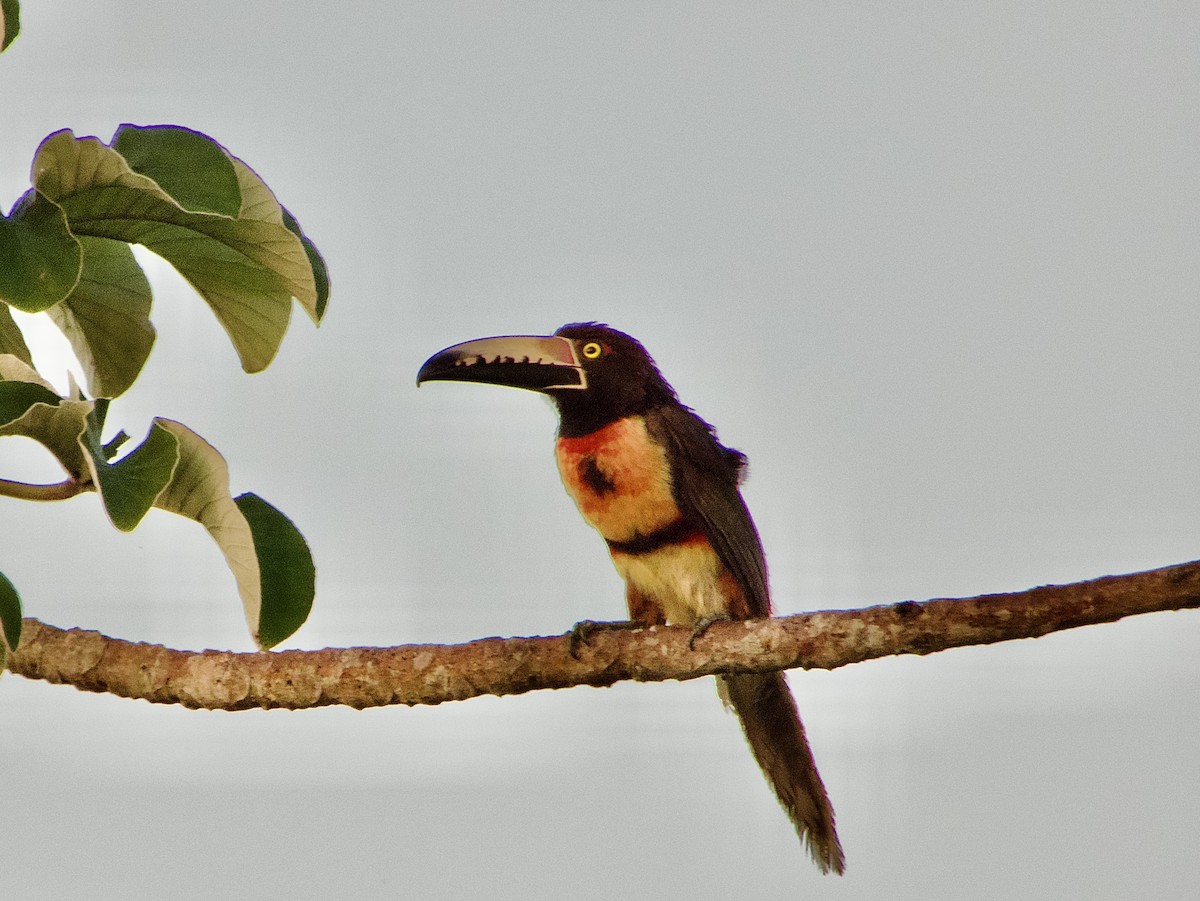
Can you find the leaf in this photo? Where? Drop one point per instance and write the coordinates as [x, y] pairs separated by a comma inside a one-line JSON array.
[[10, 613], [17, 397], [247, 269], [199, 490], [10, 22], [175, 470], [288, 576], [20, 371], [40, 260], [10, 619], [187, 165], [107, 317], [130, 486], [258, 202], [11, 339], [71, 430], [182, 195], [30, 408], [114, 444], [320, 270]]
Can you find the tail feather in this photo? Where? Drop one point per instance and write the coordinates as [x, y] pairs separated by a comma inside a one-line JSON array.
[[767, 711]]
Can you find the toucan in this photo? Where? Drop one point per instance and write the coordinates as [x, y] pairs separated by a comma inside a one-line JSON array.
[[653, 479]]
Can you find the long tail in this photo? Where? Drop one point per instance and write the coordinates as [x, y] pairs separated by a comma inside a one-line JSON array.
[[768, 714]]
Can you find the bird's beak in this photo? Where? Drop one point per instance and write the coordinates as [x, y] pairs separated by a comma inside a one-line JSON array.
[[533, 362]]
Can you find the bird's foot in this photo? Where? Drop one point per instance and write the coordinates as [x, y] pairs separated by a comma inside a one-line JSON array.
[[702, 626], [582, 632]]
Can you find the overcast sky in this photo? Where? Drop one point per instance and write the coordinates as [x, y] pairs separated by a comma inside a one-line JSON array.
[[932, 266]]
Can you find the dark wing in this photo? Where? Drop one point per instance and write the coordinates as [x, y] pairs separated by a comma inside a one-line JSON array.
[[706, 475]]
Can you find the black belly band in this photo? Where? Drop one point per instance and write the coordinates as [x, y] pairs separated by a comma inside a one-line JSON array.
[[671, 533]]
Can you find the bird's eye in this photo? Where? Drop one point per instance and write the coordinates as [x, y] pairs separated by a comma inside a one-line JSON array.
[[592, 350]]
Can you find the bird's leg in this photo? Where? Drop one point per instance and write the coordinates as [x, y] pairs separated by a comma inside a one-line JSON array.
[[582, 632], [702, 625]]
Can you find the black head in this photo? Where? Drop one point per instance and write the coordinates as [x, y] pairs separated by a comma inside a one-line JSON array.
[[623, 379], [595, 374]]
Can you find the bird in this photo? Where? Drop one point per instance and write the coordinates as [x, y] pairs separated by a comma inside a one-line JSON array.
[[654, 480]]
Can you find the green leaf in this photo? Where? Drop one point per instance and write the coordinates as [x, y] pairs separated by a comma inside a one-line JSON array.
[[175, 470], [247, 269], [17, 397], [10, 614], [199, 490], [258, 202], [320, 270], [107, 317], [114, 444], [10, 620], [11, 339], [40, 260], [10, 22], [29, 407], [288, 576], [130, 486], [191, 167]]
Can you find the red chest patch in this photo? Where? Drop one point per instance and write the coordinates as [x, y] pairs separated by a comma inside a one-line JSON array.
[[620, 479]]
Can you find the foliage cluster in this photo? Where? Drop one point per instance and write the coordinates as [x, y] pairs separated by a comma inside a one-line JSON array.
[[65, 251]]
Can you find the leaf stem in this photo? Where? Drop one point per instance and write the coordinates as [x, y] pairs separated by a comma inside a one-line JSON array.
[[59, 491]]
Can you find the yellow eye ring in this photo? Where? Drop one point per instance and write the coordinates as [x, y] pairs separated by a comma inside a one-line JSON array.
[[592, 350]]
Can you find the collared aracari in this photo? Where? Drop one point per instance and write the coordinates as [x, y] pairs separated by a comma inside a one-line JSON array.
[[651, 477]]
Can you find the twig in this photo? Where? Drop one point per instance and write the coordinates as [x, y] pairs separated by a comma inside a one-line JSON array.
[[59, 491]]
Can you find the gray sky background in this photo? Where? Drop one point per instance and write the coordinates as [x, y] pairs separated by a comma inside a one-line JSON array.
[[932, 266]]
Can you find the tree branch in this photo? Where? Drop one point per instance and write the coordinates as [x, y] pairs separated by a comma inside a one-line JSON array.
[[432, 674]]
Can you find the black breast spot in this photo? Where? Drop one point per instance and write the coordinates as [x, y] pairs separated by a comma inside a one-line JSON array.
[[594, 477]]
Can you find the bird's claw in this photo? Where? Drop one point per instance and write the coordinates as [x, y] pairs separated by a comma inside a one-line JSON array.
[[702, 626], [583, 630]]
